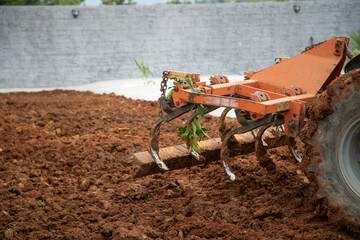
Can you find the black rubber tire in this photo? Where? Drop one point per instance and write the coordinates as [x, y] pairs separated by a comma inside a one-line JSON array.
[[343, 99]]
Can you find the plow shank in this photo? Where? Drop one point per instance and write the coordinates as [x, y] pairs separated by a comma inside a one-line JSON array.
[[177, 157]]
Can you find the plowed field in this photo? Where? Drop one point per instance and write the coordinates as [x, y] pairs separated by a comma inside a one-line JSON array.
[[62, 176]]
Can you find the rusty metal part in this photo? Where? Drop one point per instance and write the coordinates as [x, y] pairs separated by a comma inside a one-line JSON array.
[[218, 79], [261, 153], [293, 149], [155, 131], [154, 144], [291, 143], [323, 63], [349, 54], [280, 59], [296, 90], [278, 103], [221, 125], [248, 74], [255, 134], [166, 105], [223, 130], [225, 152], [163, 87], [195, 77], [177, 157], [312, 46], [260, 96]]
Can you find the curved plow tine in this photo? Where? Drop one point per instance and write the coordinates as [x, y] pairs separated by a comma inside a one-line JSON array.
[[222, 125], [260, 150], [225, 152], [259, 143], [226, 138], [292, 147], [154, 144], [255, 134]]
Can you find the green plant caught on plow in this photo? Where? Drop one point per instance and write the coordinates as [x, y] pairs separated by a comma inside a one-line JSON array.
[[193, 128]]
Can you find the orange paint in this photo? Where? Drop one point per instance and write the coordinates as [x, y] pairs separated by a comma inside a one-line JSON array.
[[288, 87]]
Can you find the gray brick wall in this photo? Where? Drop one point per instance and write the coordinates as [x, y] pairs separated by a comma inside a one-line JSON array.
[[46, 46]]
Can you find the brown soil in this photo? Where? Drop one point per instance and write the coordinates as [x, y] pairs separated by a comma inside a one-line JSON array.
[[63, 177]]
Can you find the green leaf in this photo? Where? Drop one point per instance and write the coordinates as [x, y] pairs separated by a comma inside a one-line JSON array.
[[185, 137], [137, 64], [201, 110], [188, 80], [355, 40], [176, 80], [197, 123], [191, 132], [200, 133], [144, 69], [205, 133], [356, 52], [193, 90], [182, 130], [170, 93], [195, 146], [194, 130]]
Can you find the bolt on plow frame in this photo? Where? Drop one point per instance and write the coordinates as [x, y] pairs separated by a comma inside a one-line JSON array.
[[272, 106]]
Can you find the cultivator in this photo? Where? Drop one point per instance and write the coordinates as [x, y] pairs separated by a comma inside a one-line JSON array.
[[276, 97], [272, 106]]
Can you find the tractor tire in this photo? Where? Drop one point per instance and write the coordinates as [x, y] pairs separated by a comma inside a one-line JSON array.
[[334, 130]]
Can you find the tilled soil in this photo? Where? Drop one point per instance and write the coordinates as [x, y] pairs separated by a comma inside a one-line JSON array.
[[63, 177]]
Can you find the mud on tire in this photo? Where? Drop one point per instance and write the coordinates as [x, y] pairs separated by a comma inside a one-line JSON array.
[[334, 133]]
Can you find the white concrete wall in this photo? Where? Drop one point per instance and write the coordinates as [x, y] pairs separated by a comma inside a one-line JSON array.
[[46, 46]]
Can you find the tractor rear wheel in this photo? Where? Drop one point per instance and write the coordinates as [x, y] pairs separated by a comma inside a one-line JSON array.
[[336, 142]]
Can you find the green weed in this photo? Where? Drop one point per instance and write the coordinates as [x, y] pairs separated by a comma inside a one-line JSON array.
[[145, 71], [41, 203]]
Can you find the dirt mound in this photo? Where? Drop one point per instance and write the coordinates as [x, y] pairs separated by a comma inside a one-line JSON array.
[[63, 177]]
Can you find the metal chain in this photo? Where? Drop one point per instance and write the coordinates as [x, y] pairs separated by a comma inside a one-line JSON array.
[[163, 87]]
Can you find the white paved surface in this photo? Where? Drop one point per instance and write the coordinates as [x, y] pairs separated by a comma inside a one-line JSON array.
[[135, 88]]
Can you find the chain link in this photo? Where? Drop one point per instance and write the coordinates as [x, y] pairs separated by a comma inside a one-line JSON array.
[[163, 87]]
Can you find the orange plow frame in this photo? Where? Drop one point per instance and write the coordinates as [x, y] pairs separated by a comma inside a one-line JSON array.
[[276, 96], [286, 87]]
